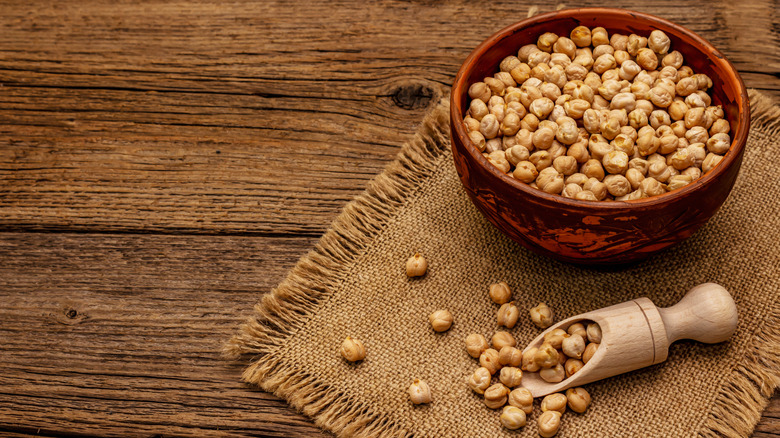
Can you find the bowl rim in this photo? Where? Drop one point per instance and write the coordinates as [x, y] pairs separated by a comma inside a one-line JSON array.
[[733, 154]]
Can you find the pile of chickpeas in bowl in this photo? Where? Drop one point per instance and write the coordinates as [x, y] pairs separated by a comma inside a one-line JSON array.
[[596, 117]]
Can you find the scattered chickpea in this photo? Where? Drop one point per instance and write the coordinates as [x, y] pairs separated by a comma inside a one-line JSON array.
[[521, 398], [578, 399], [496, 396], [476, 344], [416, 266], [441, 320], [511, 376], [419, 392], [352, 350], [554, 402], [510, 356], [512, 418], [500, 293], [541, 316], [508, 315], [503, 339], [489, 359], [480, 380], [549, 423]]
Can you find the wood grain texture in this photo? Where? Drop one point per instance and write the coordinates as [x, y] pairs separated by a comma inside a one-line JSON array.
[[248, 117], [121, 335], [254, 122]]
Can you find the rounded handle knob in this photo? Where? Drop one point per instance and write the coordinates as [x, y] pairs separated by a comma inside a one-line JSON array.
[[707, 313]]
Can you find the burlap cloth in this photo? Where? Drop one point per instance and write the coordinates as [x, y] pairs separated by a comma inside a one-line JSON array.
[[354, 283]]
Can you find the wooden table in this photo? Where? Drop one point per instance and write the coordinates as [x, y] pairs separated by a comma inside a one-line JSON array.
[[164, 163]]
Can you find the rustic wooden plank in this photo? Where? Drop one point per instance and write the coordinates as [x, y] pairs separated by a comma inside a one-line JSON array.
[[769, 426], [121, 335], [248, 117]]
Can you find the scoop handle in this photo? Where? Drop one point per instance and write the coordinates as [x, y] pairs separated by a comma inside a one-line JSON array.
[[707, 313]]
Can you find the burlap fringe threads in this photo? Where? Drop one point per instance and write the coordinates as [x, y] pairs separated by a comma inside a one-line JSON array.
[[283, 312]]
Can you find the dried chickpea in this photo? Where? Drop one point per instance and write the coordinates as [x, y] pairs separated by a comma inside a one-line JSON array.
[[489, 359], [503, 339], [617, 185], [525, 51], [566, 165], [571, 366], [571, 190], [651, 187], [720, 126], [498, 159], [590, 350], [352, 350], [646, 59], [419, 392], [508, 314], [476, 344], [521, 398], [416, 266], [510, 356], [586, 195], [573, 346], [525, 171], [719, 143], [550, 181], [512, 418], [441, 320], [634, 178], [546, 356], [578, 399], [553, 375], [555, 338], [710, 161], [480, 380], [679, 181], [593, 169], [496, 396], [596, 187], [511, 376], [549, 423], [529, 360], [593, 331], [581, 36], [541, 316], [554, 402], [579, 151], [659, 42], [618, 41], [497, 87]]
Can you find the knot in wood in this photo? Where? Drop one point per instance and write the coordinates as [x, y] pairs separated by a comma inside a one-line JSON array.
[[412, 96]]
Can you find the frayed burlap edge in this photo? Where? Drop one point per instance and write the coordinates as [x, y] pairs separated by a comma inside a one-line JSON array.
[[280, 314], [283, 312], [745, 394]]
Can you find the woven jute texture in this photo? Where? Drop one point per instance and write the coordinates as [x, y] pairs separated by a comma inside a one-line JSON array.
[[353, 283]]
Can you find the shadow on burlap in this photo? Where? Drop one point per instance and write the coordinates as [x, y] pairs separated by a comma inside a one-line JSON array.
[[353, 283]]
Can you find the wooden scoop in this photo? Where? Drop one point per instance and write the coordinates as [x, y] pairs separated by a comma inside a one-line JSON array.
[[636, 334]]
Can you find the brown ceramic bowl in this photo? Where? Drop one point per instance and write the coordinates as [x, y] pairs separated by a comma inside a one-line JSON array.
[[590, 232]]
